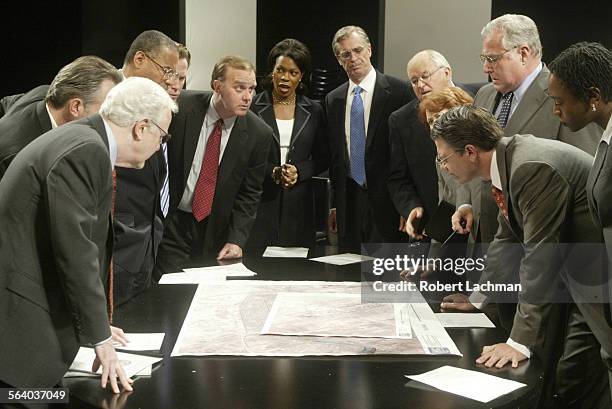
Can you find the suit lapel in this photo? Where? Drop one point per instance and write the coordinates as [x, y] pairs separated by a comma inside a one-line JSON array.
[[301, 118], [265, 110], [600, 158], [337, 112], [193, 126], [382, 91], [502, 165], [530, 104]]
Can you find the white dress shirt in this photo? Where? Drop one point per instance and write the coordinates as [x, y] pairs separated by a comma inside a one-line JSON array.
[[207, 127], [367, 86]]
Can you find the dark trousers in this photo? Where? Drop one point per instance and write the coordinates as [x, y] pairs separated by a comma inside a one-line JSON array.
[[359, 223], [584, 370], [183, 239]]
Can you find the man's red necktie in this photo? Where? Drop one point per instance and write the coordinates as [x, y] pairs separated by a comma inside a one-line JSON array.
[[204, 191], [498, 196]]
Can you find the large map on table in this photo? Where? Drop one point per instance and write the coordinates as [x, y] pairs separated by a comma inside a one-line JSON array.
[[227, 318]]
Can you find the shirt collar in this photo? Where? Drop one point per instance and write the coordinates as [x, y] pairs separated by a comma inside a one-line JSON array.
[[53, 123], [495, 177], [522, 89], [607, 135], [212, 116], [112, 143], [367, 84]]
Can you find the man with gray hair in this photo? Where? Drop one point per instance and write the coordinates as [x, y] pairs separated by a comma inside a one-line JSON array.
[[358, 113], [512, 57], [56, 239], [413, 177], [77, 91]]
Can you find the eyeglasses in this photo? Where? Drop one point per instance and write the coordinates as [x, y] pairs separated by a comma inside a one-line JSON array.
[[165, 136], [425, 77], [346, 54], [169, 73], [493, 58], [442, 161]]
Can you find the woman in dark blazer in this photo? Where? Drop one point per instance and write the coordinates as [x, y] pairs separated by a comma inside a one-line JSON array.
[[300, 150], [580, 85]]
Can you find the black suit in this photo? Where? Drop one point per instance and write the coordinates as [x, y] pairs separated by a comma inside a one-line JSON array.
[[138, 226], [19, 128], [413, 178], [379, 221], [286, 217], [55, 248], [238, 189]]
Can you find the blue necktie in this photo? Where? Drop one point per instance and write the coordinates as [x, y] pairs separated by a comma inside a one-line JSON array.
[[358, 139], [164, 193]]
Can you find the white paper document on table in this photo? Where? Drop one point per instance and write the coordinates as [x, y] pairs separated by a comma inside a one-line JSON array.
[[142, 342], [207, 274], [464, 320], [336, 315], [342, 259], [290, 252], [470, 384], [132, 364]]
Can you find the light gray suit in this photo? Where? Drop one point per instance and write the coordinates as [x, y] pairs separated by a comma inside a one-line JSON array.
[[544, 184], [534, 116]]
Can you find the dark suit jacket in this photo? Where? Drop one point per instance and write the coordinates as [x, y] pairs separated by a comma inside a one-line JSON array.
[[138, 226], [55, 248], [544, 183], [390, 94], [13, 103], [599, 194], [19, 128], [286, 217], [241, 171], [413, 178]]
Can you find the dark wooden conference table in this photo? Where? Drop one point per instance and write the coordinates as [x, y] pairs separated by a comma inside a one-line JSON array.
[[375, 381]]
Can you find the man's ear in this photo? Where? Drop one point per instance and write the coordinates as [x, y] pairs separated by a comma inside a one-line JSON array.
[[76, 106], [139, 59], [139, 128]]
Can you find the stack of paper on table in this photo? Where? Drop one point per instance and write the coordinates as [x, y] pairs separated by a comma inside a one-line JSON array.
[[290, 252], [464, 320], [342, 259], [207, 274], [142, 342], [470, 384], [132, 364]]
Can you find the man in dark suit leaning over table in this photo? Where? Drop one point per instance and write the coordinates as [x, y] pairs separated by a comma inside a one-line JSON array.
[[77, 91], [217, 159], [413, 177], [143, 194], [358, 113], [56, 237], [539, 186]]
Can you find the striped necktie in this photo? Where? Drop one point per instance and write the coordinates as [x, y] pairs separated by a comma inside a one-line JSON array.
[[164, 193]]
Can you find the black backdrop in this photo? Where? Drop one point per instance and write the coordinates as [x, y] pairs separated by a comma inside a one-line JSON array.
[[40, 37]]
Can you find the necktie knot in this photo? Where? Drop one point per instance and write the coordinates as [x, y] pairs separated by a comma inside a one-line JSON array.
[[504, 112], [357, 90]]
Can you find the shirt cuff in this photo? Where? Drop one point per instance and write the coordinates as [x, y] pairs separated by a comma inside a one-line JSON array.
[[519, 347], [101, 342], [478, 300], [464, 205]]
